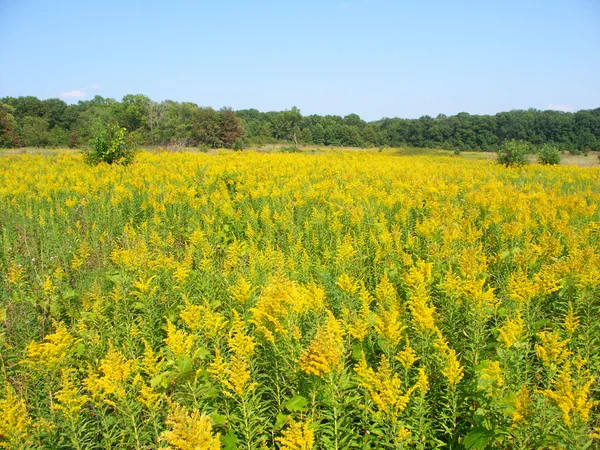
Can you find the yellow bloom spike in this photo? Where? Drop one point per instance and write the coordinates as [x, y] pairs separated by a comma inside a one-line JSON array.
[[324, 354], [14, 421], [297, 436], [189, 430]]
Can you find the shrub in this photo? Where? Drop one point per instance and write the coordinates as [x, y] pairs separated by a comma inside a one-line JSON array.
[[512, 153], [549, 155], [112, 145], [239, 144]]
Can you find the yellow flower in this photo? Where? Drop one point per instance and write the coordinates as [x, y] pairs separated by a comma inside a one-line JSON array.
[[422, 382], [571, 396], [235, 374], [325, 352], [241, 290], [347, 284], [422, 313], [552, 350], [14, 421], [52, 351], [203, 319], [178, 341], [69, 400], [16, 274], [407, 357], [189, 430], [512, 330], [297, 436], [521, 405], [110, 377], [383, 386], [571, 321], [490, 379]]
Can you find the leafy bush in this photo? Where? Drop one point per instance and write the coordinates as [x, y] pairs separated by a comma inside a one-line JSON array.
[[239, 144], [112, 145], [549, 155], [512, 153]]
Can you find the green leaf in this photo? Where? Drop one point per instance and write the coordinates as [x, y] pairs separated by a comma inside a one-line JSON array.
[[218, 419], [478, 438], [296, 403], [80, 349], [280, 421], [230, 441], [357, 350]]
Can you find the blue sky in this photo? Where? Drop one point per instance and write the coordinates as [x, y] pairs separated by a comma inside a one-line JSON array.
[[375, 58]]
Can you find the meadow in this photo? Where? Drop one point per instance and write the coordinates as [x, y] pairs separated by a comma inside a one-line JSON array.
[[297, 301]]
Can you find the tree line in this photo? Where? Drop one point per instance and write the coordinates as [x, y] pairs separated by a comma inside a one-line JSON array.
[[29, 121]]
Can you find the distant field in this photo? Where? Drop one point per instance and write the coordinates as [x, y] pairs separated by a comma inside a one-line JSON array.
[[592, 159], [339, 299]]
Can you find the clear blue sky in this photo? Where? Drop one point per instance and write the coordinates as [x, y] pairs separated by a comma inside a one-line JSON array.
[[375, 58]]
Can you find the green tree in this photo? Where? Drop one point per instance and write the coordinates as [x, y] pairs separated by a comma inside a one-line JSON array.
[[112, 146], [34, 131]]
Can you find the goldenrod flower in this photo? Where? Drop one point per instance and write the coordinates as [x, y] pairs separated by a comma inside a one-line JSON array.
[[14, 420], [490, 379], [69, 399], [297, 436], [512, 330], [325, 351], [178, 341], [109, 379], [383, 386], [52, 351], [189, 430]]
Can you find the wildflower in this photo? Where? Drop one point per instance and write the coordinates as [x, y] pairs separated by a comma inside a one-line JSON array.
[[512, 330], [385, 291], [422, 382], [178, 341], [69, 400], [189, 430], [277, 302], [15, 422], [384, 387], [109, 379], [403, 435], [203, 319], [235, 374], [422, 313], [52, 351], [571, 321], [347, 284], [407, 357], [16, 274], [325, 351], [490, 379], [571, 396], [388, 325], [552, 350], [521, 405], [297, 436], [241, 290]]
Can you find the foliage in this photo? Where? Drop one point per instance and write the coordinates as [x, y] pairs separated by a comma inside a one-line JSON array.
[[549, 155], [187, 124], [112, 145], [293, 301], [512, 153]]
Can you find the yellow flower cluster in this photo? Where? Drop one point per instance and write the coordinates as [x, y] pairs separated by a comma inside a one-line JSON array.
[[189, 430], [324, 353]]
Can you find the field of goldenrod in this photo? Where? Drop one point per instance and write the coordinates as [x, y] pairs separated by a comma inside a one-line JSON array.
[[333, 301]]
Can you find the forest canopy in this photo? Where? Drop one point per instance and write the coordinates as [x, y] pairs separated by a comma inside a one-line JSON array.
[[29, 121]]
